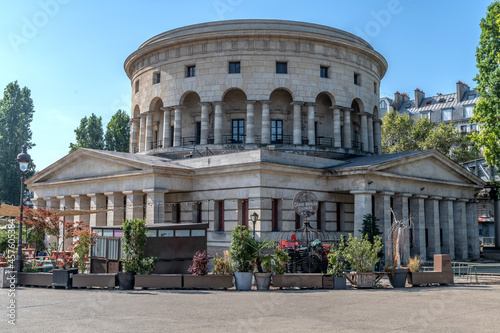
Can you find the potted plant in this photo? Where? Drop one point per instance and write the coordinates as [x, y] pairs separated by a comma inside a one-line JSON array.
[[362, 257], [371, 229], [398, 246], [133, 260], [261, 264], [335, 269], [241, 253], [415, 268], [200, 278]]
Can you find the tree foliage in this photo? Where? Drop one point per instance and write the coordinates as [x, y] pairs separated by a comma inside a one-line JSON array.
[[89, 134], [118, 132], [401, 133], [487, 109], [16, 114]]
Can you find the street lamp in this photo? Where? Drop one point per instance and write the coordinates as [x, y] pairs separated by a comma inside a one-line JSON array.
[[254, 218], [24, 159]]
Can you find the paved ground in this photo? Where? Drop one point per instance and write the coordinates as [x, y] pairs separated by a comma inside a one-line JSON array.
[[459, 308]]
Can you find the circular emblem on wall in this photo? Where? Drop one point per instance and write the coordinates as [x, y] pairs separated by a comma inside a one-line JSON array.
[[305, 203]]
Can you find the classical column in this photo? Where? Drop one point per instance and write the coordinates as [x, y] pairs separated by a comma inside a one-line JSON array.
[[370, 135], [167, 127], [460, 218], [82, 202], [38, 203], [447, 226], [97, 202], [337, 140], [383, 212], [364, 131], [134, 204], [51, 203], [116, 213], [472, 226], [311, 131], [401, 208], [149, 130], [155, 206], [204, 123], [362, 206], [250, 135], [377, 136], [142, 133], [134, 123], [266, 123], [417, 207], [66, 203], [432, 225], [218, 123], [178, 125], [347, 128], [297, 123]]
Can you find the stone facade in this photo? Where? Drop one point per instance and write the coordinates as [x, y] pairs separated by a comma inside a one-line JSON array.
[[265, 136]]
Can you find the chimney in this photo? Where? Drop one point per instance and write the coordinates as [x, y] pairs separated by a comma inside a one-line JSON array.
[[419, 96], [400, 99], [462, 88]]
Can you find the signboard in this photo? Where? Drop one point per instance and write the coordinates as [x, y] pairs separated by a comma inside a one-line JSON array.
[[305, 203]]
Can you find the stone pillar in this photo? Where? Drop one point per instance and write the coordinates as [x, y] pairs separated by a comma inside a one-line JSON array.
[[51, 203], [167, 127], [142, 133], [401, 207], [204, 123], [250, 135], [218, 123], [377, 133], [116, 213], [447, 226], [149, 130], [82, 202], [97, 202], [134, 204], [38, 203], [266, 123], [178, 126], [347, 129], [337, 140], [460, 219], [364, 131], [66, 203], [155, 206], [472, 238], [362, 206], [370, 135], [383, 213], [432, 225], [134, 124], [311, 131], [417, 207], [297, 123]]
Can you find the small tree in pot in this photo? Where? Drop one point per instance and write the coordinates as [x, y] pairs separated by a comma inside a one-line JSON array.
[[241, 253], [398, 248], [336, 266], [133, 260]]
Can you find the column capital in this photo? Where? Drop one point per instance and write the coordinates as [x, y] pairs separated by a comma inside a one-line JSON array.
[[167, 108], [363, 192], [155, 190], [378, 121], [420, 196], [403, 195], [218, 103], [463, 200], [205, 103], [63, 197], [297, 103], [363, 114], [386, 193], [311, 104], [336, 107], [346, 109], [449, 199], [148, 113], [109, 194], [92, 195], [265, 102], [178, 107], [435, 197], [251, 101], [79, 196]]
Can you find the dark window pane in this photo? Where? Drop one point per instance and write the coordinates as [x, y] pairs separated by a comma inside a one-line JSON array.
[[281, 67]]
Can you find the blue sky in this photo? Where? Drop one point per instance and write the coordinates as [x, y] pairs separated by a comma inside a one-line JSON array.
[[70, 53]]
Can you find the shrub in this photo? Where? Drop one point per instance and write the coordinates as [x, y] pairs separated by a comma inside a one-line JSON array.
[[241, 251], [133, 242], [336, 264], [280, 259], [200, 262], [222, 265], [360, 253]]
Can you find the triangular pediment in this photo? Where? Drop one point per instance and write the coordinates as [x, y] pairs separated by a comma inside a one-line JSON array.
[[430, 165], [85, 164]]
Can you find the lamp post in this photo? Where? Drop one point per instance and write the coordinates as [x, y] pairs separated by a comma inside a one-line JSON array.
[[254, 218], [24, 159]]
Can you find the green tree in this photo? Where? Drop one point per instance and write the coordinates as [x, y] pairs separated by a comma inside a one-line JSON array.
[[487, 109], [89, 134], [118, 132], [401, 133], [16, 114]]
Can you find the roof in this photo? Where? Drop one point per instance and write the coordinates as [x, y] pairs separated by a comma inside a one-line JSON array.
[[367, 161], [440, 102]]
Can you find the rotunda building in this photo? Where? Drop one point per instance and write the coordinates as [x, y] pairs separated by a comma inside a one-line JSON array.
[[246, 84]]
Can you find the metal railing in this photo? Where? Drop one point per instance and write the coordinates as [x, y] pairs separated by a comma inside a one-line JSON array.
[[325, 141], [357, 145]]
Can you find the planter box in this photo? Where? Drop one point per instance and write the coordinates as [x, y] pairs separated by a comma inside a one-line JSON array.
[[331, 282], [418, 278], [159, 281], [35, 279], [363, 280], [63, 277], [207, 281], [107, 281], [306, 280]]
